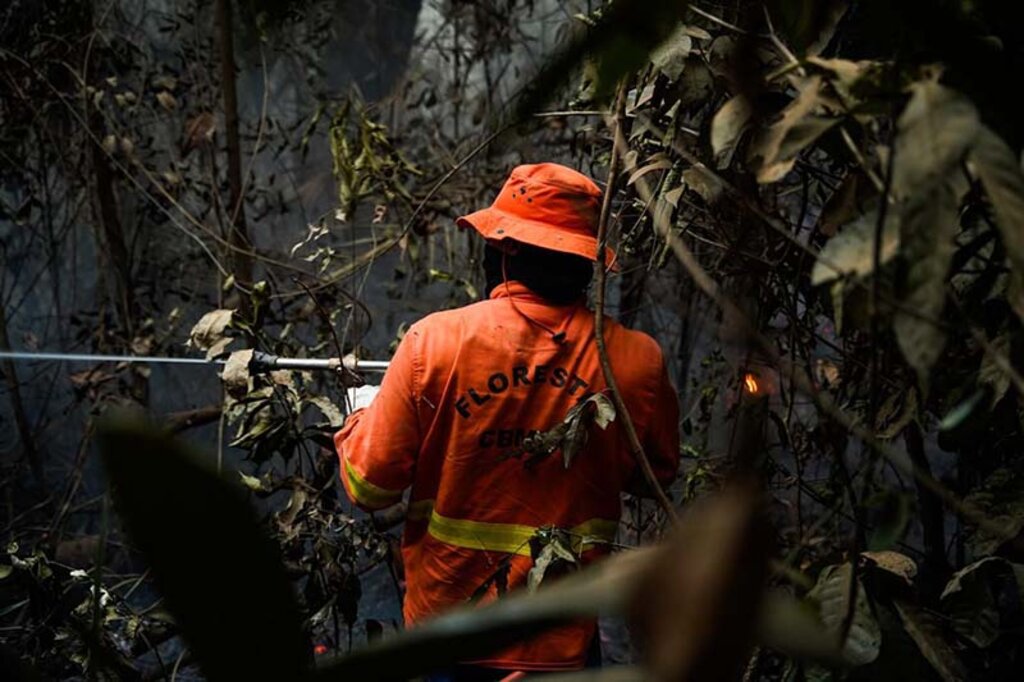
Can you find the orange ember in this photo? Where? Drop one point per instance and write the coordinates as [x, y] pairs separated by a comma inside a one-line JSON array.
[[750, 383]]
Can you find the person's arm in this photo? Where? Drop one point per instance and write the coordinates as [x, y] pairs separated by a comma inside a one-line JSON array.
[[377, 446], [661, 438]]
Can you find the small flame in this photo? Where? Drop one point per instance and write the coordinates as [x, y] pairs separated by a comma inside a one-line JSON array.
[[750, 383], [320, 649]]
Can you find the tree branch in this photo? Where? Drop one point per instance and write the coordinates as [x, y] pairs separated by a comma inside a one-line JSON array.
[[622, 411]]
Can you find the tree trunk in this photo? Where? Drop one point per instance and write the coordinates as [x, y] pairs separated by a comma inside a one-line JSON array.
[[238, 236], [112, 235]]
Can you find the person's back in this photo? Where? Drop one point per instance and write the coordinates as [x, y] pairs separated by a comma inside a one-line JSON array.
[[458, 418]]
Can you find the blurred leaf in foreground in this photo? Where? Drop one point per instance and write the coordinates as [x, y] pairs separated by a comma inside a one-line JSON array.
[[617, 43], [220, 575], [696, 604]]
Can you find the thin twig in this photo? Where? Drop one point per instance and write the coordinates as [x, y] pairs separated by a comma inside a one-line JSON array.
[[635, 446]]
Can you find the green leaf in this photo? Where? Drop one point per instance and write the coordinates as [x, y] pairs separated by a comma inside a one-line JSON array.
[[926, 631], [220, 576], [851, 251], [928, 227], [832, 594], [1000, 173], [934, 133]]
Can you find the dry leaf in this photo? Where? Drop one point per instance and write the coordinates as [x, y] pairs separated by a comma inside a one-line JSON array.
[[894, 562], [209, 333], [167, 100], [236, 372], [727, 127], [198, 131]]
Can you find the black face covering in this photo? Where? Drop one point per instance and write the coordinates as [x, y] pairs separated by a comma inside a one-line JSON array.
[[559, 278]]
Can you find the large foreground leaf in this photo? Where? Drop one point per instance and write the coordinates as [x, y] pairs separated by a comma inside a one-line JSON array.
[[851, 252], [221, 577], [927, 232], [618, 43], [934, 133]]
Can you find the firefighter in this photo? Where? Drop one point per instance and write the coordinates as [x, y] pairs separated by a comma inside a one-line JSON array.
[[466, 394]]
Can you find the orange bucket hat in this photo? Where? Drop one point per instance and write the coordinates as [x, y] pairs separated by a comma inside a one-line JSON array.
[[545, 205]]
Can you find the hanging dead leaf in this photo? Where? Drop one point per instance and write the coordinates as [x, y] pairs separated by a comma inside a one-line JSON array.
[[198, 131], [253, 483], [841, 207], [774, 151], [555, 551], [657, 162], [167, 100], [572, 433], [209, 333], [235, 375], [727, 128], [704, 183]]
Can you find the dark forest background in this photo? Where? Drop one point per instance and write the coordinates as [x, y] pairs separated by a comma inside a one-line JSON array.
[[819, 206]]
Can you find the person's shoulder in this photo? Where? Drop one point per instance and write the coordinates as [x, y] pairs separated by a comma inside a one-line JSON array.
[[639, 347], [448, 319]]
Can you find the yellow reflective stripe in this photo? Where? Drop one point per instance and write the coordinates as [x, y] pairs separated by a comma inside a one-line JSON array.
[[367, 493], [512, 538], [420, 510], [495, 537]]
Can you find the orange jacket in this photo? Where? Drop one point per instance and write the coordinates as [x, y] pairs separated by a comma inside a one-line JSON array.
[[464, 389]]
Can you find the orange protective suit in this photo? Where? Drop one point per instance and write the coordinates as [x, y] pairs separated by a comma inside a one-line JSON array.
[[464, 389]]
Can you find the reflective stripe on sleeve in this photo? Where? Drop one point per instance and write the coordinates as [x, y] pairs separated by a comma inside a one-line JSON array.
[[513, 538], [367, 493]]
